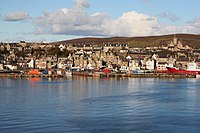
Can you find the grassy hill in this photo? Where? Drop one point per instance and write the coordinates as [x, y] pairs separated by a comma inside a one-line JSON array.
[[147, 41]]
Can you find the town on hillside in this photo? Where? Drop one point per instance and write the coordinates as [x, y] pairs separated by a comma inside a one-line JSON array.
[[115, 56]]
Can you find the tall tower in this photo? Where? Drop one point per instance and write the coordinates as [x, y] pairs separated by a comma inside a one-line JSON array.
[[175, 40]]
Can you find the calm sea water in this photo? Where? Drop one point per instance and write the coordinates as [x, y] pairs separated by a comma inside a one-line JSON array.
[[88, 105]]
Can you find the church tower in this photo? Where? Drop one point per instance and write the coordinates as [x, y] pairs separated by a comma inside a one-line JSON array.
[[175, 40]]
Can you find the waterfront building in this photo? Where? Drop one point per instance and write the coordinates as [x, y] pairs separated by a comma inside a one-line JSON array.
[[41, 64], [31, 64], [84, 55], [150, 64], [161, 66], [1, 66]]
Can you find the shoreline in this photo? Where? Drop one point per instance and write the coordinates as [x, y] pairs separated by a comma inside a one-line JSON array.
[[99, 74]]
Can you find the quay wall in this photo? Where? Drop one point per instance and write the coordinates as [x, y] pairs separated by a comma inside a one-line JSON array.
[[100, 74]]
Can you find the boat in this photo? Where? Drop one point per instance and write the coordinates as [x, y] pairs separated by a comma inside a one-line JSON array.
[[68, 73], [34, 72], [192, 69]]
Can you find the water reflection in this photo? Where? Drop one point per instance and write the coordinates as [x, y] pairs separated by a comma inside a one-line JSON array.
[[86, 104], [34, 79]]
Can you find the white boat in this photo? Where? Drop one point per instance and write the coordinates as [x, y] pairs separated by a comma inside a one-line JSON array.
[[68, 73]]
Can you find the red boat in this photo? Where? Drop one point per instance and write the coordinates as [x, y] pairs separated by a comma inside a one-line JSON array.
[[182, 71]]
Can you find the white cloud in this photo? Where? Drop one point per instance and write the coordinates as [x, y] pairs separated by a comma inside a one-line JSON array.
[[131, 24], [16, 16], [193, 26], [75, 21]]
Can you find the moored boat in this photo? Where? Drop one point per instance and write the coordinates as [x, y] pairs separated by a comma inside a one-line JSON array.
[[68, 73], [192, 69], [182, 71]]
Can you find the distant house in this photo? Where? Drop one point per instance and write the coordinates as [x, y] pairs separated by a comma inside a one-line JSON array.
[[161, 66], [61, 47], [97, 48], [115, 45], [35, 46], [41, 64], [88, 52], [11, 67], [87, 47], [150, 64], [64, 62], [162, 57], [22, 44], [1, 66], [124, 62], [124, 50], [31, 64], [2, 47], [138, 53], [198, 63], [182, 62], [134, 64]]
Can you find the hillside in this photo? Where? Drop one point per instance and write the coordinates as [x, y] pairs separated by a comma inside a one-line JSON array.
[[186, 39]]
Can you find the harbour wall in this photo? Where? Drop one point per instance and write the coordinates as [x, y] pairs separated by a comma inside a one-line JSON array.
[[99, 74]]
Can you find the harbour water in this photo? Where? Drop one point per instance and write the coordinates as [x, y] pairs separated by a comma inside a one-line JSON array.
[[90, 105]]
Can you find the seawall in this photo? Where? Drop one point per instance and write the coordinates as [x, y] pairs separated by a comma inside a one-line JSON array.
[[99, 74]]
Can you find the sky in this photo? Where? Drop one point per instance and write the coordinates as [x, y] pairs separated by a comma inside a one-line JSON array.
[[56, 20]]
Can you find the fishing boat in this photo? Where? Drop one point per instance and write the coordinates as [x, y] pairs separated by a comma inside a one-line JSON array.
[[192, 69]]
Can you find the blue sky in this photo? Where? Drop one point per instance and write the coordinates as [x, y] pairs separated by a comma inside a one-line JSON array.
[[44, 20]]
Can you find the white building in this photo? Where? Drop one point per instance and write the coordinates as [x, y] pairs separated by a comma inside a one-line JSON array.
[[40, 64], [61, 47], [1, 66], [150, 65], [31, 63]]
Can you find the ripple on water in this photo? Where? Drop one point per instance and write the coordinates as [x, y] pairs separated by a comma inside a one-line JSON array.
[[89, 105]]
